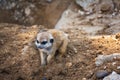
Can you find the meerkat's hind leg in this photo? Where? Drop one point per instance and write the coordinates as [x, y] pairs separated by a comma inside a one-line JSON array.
[[63, 47]]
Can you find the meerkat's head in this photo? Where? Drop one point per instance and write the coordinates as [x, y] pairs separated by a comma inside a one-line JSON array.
[[44, 40]]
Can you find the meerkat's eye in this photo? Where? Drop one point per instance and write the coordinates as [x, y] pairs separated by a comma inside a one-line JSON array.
[[37, 41], [51, 40], [44, 42]]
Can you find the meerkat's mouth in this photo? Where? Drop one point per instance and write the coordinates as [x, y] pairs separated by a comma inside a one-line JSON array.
[[49, 48]]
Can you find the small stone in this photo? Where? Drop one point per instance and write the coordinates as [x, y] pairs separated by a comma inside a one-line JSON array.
[[24, 50], [118, 67], [81, 12], [27, 11], [84, 79], [2, 41], [112, 76], [69, 64], [117, 36], [49, 1], [101, 74], [44, 78], [34, 26], [105, 67], [75, 50], [113, 63]]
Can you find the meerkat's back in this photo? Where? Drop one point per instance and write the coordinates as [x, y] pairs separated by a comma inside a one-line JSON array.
[[58, 35]]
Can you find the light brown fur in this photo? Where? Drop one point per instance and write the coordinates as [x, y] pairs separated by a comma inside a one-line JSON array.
[[60, 43]]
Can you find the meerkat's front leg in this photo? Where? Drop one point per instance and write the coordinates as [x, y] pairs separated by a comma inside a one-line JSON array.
[[50, 56], [43, 58]]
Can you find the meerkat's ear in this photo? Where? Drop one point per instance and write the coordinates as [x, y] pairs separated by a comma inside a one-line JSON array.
[[43, 30]]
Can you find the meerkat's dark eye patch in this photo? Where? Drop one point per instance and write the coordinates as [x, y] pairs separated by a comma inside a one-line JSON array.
[[43, 42], [37, 41], [51, 40]]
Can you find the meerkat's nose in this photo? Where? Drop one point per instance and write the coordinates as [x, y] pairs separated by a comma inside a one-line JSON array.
[[41, 47]]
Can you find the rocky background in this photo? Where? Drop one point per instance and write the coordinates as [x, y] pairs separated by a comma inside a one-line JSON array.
[[29, 12], [94, 39]]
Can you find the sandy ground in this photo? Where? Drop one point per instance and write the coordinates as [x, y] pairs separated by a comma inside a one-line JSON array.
[[90, 36], [77, 64]]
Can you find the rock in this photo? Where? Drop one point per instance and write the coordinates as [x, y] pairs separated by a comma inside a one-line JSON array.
[[67, 17], [117, 36], [27, 11], [96, 5], [113, 76], [84, 79], [101, 74], [87, 5], [81, 12], [114, 29], [106, 58], [44, 78], [113, 63], [117, 4], [106, 6], [30, 12], [75, 50], [68, 64], [49, 1], [118, 67], [24, 50]]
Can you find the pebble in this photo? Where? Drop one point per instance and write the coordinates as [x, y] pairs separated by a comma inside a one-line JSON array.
[[81, 12], [69, 64], [44, 78], [118, 67], [84, 79], [27, 11], [101, 74], [112, 76], [49, 1], [75, 50], [113, 63]]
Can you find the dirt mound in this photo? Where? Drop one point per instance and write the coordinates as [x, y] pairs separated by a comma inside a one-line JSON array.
[[13, 65]]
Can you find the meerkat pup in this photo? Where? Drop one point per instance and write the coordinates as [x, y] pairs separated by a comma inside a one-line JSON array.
[[48, 42]]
